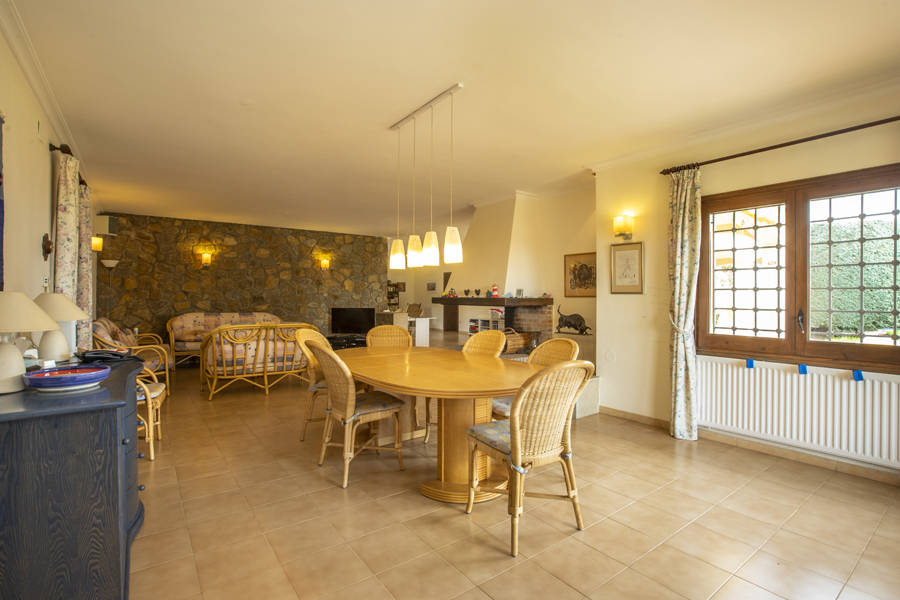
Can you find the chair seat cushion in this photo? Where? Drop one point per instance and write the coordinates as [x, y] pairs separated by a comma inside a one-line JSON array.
[[155, 389], [187, 345], [494, 434], [502, 406], [371, 402]]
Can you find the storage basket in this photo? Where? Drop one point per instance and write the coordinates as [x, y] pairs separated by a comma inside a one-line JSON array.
[[516, 341]]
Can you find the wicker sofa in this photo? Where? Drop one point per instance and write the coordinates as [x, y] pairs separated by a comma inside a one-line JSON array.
[[187, 331], [262, 354], [157, 355]]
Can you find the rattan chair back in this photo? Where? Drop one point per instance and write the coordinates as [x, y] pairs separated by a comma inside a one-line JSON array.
[[341, 389], [554, 350], [489, 342], [540, 419], [414, 310], [388, 336], [237, 350], [286, 353], [305, 335]]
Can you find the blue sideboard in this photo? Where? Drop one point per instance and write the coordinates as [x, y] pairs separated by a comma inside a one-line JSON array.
[[69, 506]]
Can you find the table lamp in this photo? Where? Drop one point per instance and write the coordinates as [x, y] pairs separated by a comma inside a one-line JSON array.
[[54, 345], [17, 313]]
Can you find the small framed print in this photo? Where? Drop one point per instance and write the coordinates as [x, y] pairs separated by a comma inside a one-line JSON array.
[[431, 286], [401, 286], [580, 275], [626, 273]]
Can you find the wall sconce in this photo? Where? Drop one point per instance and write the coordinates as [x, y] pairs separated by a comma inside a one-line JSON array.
[[205, 260], [623, 226], [96, 243], [324, 263]]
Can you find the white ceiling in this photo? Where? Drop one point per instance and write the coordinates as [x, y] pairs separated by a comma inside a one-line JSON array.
[[276, 112]]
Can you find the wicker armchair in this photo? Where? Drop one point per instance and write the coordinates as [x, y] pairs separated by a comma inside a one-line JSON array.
[[538, 432], [489, 341], [151, 394], [351, 410], [388, 336], [318, 387], [157, 357], [555, 350]]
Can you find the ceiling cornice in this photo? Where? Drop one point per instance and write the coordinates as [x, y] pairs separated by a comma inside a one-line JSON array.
[[19, 41], [835, 100]]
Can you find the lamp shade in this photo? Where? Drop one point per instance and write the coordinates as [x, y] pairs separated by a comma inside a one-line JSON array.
[[18, 312], [414, 252], [96, 243], [398, 255], [60, 308], [623, 225], [431, 250], [452, 246]]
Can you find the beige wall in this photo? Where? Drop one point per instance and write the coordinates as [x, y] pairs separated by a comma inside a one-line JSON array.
[[633, 330], [26, 178]]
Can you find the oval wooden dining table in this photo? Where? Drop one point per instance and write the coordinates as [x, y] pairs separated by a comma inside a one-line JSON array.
[[464, 384]]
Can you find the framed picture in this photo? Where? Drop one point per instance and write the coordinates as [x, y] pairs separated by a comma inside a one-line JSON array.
[[401, 286], [626, 273], [580, 275], [431, 286]]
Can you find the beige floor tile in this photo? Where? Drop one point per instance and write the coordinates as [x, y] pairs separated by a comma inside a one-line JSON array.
[[286, 512], [174, 580], [677, 503], [811, 554], [356, 521], [447, 524], [473, 594], [736, 525], [408, 505], [850, 593], [479, 557], [786, 580], [492, 512], [388, 547], [229, 563], [158, 548], [889, 527], [528, 580], [293, 541], [223, 531], [428, 576], [759, 507], [631, 585], [334, 498], [686, 575], [271, 584], [326, 571], [738, 589], [712, 547], [850, 537], [649, 520], [796, 475], [628, 485], [162, 517], [249, 476], [878, 571], [159, 476], [617, 540], [535, 535], [561, 515], [776, 491], [161, 494], [207, 486], [602, 500], [367, 589], [276, 490], [218, 505], [579, 565]]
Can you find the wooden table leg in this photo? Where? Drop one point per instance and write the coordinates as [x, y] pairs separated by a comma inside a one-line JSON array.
[[454, 419]]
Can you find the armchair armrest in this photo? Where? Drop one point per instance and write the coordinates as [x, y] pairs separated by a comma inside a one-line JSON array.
[[150, 338]]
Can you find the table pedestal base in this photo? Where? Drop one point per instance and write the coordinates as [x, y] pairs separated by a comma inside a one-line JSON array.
[[457, 493]]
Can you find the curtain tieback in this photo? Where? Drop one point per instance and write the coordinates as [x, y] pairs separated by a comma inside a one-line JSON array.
[[686, 331]]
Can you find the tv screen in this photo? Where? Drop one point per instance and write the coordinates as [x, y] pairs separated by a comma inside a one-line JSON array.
[[352, 320]]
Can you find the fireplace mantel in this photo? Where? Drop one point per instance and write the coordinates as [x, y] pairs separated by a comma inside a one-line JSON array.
[[451, 308]]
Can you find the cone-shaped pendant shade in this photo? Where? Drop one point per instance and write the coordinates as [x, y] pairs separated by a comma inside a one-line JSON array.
[[398, 256], [414, 252], [431, 250], [452, 246]]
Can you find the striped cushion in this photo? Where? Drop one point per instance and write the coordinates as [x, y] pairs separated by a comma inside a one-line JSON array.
[[494, 434]]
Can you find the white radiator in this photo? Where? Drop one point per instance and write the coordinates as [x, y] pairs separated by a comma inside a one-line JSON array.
[[824, 410]]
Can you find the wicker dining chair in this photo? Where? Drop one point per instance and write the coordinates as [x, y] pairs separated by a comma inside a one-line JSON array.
[[489, 342], [554, 350], [317, 386], [350, 410], [388, 336], [539, 432], [151, 394]]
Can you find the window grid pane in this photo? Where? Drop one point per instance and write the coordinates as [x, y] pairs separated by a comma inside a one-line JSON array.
[[854, 271], [748, 249]]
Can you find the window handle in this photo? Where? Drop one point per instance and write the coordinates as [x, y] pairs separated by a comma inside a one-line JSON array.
[[800, 321]]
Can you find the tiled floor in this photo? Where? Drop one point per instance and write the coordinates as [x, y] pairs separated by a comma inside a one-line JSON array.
[[237, 508]]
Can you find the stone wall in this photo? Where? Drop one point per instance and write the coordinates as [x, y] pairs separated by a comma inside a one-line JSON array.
[[253, 269]]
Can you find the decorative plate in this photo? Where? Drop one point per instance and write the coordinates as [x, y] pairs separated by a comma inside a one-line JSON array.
[[66, 379]]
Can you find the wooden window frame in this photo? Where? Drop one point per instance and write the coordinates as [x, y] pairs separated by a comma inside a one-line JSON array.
[[794, 347]]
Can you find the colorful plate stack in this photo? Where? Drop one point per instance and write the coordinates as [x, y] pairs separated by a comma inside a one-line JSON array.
[[66, 379]]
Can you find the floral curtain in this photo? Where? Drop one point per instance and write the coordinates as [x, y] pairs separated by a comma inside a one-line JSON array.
[[65, 266], [84, 296], [684, 264]]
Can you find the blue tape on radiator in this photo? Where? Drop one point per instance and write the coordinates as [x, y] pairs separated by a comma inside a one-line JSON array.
[[749, 363], [801, 369], [857, 375]]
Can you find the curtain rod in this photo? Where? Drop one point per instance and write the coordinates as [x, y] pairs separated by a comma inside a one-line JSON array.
[[781, 145], [65, 149]]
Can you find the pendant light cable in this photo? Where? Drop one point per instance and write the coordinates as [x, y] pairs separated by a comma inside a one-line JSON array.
[[399, 140], [413, 231], [431, 177], [451, 160]]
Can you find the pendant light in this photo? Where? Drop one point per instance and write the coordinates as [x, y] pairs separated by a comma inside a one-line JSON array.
[[431, 251], [453, 252], [414, 245], [398, 255]]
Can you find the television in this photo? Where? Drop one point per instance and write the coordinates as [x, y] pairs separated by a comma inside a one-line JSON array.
[[352, 320]]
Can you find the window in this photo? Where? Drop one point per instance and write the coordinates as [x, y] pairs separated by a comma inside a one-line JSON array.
[[806, 271]]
